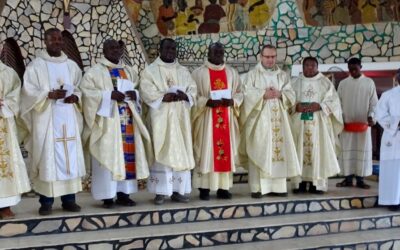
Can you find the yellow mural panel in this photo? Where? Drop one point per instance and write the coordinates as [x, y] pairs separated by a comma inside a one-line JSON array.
[[188, 17], [345, 12]]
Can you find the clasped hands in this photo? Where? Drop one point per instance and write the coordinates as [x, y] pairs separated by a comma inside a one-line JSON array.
[[119, 96], [219, 103], [272, 93], [175, 97], [61, 94], [308, 107]]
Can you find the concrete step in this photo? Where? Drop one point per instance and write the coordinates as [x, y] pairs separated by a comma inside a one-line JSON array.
[[215, 233], [384, 239], [94, 217]]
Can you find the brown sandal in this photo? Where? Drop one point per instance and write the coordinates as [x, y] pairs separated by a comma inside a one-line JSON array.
[[363, 185], [344, 183]]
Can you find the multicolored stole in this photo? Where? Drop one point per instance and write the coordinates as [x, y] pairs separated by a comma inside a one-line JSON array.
[[127, 128], [220, 121]]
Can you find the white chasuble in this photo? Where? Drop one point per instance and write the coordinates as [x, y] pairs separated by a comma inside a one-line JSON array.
[[316, 137], [13, 175]]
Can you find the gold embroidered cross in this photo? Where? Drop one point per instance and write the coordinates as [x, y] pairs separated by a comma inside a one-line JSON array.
[[65, 141]]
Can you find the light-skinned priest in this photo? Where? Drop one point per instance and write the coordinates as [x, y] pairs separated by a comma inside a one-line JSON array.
[[388, 116], [50, 110], [111, 101], [13, 176], [267, 145], [169, 90], [316, 124], [358, 97], [215, 124]]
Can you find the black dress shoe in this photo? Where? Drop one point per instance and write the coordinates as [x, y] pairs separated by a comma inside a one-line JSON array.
[[204, 194], [278, 194], [394, 207], [256, 195], [177, 197], [302, 188], [108, 203], [45, 209], [313, 190], [224, 194], [71, 207], [126, 202]]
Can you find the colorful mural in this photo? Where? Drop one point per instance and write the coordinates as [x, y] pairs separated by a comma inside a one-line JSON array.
[[189, 17], [133, 7], [344, 12]]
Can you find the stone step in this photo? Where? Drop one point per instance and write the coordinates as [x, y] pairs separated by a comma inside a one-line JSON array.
[[94, 217], [215, 233], [383, 239]]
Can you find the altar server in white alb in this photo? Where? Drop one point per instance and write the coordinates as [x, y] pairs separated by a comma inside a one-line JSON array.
[[50, 109], [215, 125], [111, 101], [267, 145], [388, 116], [358, 97], [13, 176], [169, 90]]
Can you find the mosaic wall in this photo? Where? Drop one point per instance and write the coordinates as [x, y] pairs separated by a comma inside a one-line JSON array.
[[377, 42], [92, 22]]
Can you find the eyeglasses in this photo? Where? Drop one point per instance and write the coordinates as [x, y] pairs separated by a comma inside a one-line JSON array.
[[273, 56]]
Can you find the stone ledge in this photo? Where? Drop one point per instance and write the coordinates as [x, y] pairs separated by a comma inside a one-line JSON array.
[[102, 221]]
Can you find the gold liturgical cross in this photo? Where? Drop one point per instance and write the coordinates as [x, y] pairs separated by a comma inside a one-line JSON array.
[[65, 141]]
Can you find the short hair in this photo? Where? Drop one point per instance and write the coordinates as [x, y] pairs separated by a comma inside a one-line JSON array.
[[216, 44], [50, 31], [163, 41], [310, 58], [108, 42], [354, 61], [267, 46]]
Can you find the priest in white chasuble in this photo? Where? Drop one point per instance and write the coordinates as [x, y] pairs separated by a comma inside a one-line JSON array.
[[169, 90], [267, 147], [114, 133], [388, 116], [316, 124], [50, 110], [358, 97], [215, 125], [13, 176]]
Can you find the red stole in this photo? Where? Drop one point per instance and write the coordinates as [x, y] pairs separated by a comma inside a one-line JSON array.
[[220, 123]]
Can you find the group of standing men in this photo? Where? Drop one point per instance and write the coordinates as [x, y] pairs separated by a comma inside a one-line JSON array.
[[171, 121]]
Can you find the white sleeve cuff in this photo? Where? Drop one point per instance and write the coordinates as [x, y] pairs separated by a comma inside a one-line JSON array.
[[106, 105], [157, 103]]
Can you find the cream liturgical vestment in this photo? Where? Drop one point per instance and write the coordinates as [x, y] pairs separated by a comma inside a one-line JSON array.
[[54, 127], [13, 176], [205, 137], [358, 98], [316, 136], [267, 146], [170, 126], [107, 124], [388, 116]]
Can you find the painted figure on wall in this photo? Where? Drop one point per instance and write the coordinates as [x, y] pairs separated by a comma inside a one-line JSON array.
[[133, 8], [259, 13], [186, 23], [212, 16], [369, 11], [166, 16]]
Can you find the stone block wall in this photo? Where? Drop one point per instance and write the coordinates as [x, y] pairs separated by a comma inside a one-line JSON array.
[[92, 22], [377, 42]]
